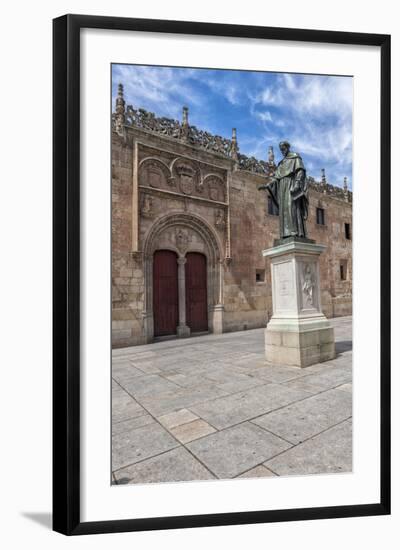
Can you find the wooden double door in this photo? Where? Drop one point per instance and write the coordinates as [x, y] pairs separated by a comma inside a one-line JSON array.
[[166, 292], [196, 292]]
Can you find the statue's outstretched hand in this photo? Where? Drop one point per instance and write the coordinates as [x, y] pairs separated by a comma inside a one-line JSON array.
[[266, 185]]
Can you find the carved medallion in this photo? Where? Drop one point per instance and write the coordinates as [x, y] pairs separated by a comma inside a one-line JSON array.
[[215, 188], [153, 173], [186, 176]]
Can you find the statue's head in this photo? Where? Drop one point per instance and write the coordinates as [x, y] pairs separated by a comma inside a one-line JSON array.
[[284, 146]]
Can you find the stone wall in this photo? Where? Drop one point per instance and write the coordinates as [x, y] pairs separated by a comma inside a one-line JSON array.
[[218, 211]]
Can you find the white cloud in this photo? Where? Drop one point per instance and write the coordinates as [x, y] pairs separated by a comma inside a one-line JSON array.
[[224, 86], [309, 94], [264, 116], [316, 115], [161, 89]]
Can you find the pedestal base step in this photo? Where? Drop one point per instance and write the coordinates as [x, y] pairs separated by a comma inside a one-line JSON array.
[[300, 349]]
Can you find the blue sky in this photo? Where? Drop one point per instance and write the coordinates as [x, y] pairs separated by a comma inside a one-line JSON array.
[[313, 112]]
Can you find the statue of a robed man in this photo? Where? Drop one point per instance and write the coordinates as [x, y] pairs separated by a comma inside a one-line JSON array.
[[288, 190]]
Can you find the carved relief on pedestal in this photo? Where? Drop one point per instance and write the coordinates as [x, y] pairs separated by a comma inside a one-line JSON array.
[[215, 188], [308, 283], [153, 173], [284, 295]]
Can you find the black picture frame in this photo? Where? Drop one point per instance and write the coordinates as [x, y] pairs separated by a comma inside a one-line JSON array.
[[66, 273]]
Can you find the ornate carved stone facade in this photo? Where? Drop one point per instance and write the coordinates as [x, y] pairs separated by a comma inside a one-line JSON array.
[[180, 189]]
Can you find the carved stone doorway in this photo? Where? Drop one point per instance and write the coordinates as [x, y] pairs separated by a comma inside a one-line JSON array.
[[185, 234]]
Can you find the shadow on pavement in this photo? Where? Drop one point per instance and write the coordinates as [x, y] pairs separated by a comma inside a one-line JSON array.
[[343, 346]]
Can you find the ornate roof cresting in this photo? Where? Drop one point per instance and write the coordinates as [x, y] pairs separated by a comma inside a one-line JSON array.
[[126, 116]]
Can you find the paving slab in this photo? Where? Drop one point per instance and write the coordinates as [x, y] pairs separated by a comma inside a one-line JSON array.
[[192, 430], [240, 385], [222, 375], [278, 373], [303, 419], [175, 465], [180, 399], [304, 383], [236, 408], [258, 471], [151, 384], [121, 373], [235, 450], [146, 367], [328, 452], [122, 354], [185, 380], [346, 387], [141, 443], [329, 379], [131, 424], [177, 418], [125, 409]]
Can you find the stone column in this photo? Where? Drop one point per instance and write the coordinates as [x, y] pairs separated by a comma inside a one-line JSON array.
[[147, 313], [218, 309], [182, 329], [298, 333]]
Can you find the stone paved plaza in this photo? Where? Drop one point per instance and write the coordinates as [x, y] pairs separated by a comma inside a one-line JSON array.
[[210, 407]]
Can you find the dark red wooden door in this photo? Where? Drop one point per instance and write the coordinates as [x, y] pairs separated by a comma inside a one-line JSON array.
[[165, 292], [196, 292]]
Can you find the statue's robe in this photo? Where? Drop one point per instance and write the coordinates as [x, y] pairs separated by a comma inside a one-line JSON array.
[[289, 192]]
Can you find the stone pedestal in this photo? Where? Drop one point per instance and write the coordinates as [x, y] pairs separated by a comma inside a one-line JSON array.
[[298, 333]]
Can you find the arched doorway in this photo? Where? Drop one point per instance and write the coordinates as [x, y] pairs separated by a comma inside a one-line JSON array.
[[196, 292], [184, 234], [165, 292]]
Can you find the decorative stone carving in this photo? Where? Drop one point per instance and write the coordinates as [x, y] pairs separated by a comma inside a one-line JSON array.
[[145, 120], [140, 118], [147, 206], [251, 164], [187, 176], [234, 146], [220, 219], [182, 240], [153, 173], [185, 124], [120, 111], [215, 187], [271, 156], [308, 284]]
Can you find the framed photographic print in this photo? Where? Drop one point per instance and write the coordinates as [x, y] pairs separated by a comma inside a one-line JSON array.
[[221, 274]]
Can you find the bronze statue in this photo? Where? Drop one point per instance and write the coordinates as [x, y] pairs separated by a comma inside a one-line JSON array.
[[288, 190]]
